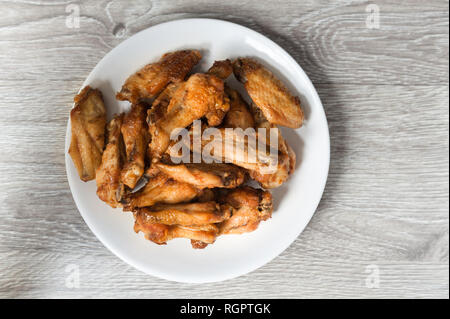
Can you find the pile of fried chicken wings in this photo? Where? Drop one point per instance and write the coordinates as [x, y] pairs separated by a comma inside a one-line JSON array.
[[132, 157]]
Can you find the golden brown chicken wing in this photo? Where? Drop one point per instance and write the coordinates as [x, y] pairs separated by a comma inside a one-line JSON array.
[[249, 207], [239, 114], [205, 233], [201, 95], [161, 234], [149, 81], [196, 214], [275, 179], [109, 187], [286, 157], [135, 135], [161, 189], [204, 175], [232, 146], [222, 69], [160, 104], [269, 93], [88, 120], [285, 168]]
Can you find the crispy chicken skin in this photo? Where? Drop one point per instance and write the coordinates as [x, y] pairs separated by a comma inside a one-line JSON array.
[[88, 120], [249, 207], [276, 179], [149, 81], [222, 69], [201, 95], [109, 187], [207, 195], [197, 244], [239, 114], [135, 135], [196, 214], [273, 180], [269, 93], [160, 104], [161, 189], [203, 175], [161, 234], [285, 167], [205, 233]]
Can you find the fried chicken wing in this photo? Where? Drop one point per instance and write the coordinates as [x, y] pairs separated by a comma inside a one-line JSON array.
[[285, 168], [222, 69], [205, 233], [161, 189], [192, 214], [286, 157], [269, 93], [135, 135], [109, 187], [239, 114], [161, 234], [201, 95], [249, 207], [88, 120], [275, 179], [204, 175], [149, 81], [157, 233], [231, 146], [160, 104]]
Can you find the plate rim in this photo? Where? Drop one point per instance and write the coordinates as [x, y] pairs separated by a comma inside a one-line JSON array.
[[269, 257]]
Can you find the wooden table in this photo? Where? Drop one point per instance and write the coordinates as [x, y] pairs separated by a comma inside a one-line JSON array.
[[381, 229]]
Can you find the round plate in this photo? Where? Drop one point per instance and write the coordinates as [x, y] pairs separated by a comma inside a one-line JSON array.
[[294, 202]]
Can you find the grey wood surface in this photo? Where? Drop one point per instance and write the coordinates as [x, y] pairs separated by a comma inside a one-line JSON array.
[[385, 92]]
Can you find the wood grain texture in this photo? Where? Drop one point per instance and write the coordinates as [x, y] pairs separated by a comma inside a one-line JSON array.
[[385, 92]]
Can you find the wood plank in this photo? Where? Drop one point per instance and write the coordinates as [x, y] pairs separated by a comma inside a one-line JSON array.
[[101, 275], [330, 40]]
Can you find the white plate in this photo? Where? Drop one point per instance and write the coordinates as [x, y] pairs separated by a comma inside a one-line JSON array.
[[295, 202]]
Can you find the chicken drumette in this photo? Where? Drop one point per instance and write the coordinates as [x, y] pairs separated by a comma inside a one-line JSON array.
[[161, 234], [149, 81], [204, 175], [239, 114], [249, 207], [161, 189], [191, 214]]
